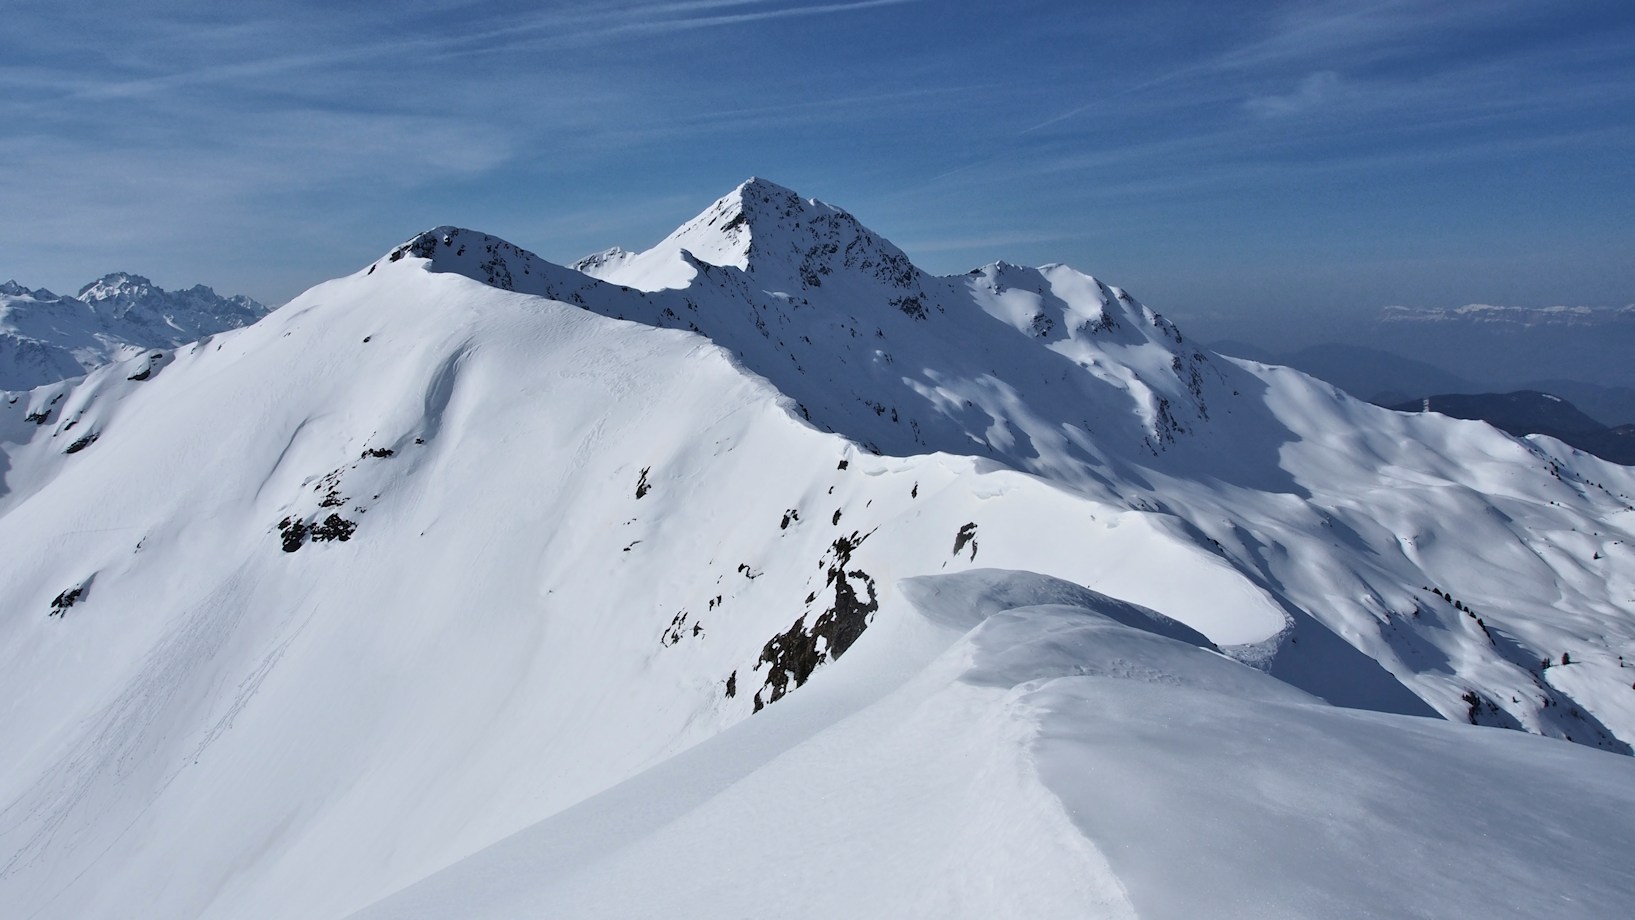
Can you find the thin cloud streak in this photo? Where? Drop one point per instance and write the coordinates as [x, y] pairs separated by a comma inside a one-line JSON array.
[[557, 28], [1180, 120], [1333, 107]]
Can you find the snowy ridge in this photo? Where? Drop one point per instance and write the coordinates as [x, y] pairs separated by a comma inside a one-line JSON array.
[[45, 337], [491, 547], [1032, 749]]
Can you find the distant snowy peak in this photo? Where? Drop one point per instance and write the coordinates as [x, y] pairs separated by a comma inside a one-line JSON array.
[[11, 289], [132, 297], [763, 227], [17, 299], [46, 337], [120, 288], [782, 241]]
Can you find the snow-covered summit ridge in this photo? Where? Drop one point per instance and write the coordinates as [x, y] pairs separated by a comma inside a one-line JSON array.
[[481, 257], [865, 343]]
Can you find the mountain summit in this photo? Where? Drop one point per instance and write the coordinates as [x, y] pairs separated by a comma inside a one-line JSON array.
[[771, 233], [764, 571]]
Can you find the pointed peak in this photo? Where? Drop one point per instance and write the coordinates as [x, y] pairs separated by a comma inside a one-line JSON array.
[[726, 232], [113, 285], [759, 201], [759, 187], [787, 242]]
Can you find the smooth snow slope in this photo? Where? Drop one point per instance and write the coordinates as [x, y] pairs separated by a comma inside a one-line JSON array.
[[299, 615]]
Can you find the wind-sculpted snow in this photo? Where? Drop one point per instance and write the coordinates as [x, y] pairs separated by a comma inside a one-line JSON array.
[[1068, 760], [968, 599], [468, 544]]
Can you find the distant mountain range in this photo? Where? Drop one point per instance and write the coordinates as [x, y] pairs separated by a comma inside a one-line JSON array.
[[47, 337]]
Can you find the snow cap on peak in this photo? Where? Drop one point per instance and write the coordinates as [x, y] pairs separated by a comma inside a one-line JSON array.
[[448, 246], [487, 259], [787, 242], [14, 288], [136, 299], [763, 188], [115, 284], [725, 232]]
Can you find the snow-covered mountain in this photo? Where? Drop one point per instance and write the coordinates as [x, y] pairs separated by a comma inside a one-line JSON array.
[[761, 571], [46, 337]]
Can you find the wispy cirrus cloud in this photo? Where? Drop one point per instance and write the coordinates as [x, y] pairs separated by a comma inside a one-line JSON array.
[[1079, 129], [269, 48], [1314, 91]]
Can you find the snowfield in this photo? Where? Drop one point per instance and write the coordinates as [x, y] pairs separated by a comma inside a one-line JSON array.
[[761, 572]]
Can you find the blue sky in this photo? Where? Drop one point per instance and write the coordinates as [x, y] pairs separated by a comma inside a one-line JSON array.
[[1223, 161]]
